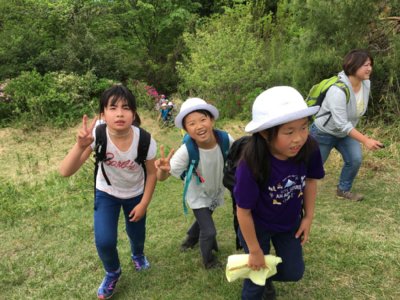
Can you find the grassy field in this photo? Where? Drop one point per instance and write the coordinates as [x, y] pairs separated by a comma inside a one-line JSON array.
[[47, 249]]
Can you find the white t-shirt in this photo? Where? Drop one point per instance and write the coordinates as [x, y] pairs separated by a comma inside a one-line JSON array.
[[126, 176], [210, 193]]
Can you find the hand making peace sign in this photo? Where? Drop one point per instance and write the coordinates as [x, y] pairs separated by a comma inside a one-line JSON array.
[[85, 134], [163, 162]]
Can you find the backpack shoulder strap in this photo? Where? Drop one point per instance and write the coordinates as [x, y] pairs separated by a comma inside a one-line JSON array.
[[143, 146], [192, 149], [100, 149], [223, 142], [340, 84], [194, 157], [101, 142]]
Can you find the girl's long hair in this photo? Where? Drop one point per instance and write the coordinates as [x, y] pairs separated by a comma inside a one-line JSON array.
[[114, 94], [256, 154]]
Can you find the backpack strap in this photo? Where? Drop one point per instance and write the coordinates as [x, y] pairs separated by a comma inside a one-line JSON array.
[[143, 149], [100, 152], [194, 157], [341, 85], [223, 142]]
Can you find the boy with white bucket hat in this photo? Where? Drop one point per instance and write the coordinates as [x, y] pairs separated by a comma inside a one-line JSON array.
[[276, 185], [205, 191]]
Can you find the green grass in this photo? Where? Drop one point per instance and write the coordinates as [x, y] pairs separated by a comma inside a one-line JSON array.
[[47, 249]]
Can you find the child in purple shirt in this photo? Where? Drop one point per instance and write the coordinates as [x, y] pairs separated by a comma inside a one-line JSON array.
[[276, 186]]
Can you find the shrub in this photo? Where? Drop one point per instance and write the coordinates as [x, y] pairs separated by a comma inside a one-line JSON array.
[[226, 62], [55, 98], [146, 96]]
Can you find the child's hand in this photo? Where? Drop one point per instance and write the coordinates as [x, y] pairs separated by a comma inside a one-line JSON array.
[[256, 260], [137, 213], [85, 134], [304, 230], [163, 163]]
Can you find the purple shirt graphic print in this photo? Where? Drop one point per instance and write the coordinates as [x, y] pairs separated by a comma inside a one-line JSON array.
[[277, 206]]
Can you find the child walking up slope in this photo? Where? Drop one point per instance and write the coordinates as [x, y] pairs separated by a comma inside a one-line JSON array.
[[205, 191], [276, 186], [121, 182]]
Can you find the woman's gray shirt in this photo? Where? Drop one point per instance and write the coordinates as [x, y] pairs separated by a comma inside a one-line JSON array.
[[344, 116]]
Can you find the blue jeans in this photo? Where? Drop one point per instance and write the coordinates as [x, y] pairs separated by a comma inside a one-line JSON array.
[[349, 148], [106, 214], [288, 248]]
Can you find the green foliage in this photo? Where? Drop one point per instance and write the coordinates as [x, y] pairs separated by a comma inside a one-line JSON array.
[[230, 49], [55, 98], [144, 99], [226, 61]]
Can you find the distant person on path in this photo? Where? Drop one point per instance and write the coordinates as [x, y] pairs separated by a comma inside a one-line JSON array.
[[335, 128], [120, 182], [164, 112], [276, 186], [205, 191]]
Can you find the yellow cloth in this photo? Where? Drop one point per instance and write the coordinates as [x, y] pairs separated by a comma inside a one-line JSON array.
[[237, 268]]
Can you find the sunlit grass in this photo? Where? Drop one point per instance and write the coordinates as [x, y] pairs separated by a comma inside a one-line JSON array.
[[47, 249]]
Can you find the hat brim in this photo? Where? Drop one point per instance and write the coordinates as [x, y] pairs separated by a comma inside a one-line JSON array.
[[183, 113], [253, 126]]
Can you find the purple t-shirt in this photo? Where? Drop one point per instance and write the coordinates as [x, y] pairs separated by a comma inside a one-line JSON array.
[[277, 207]]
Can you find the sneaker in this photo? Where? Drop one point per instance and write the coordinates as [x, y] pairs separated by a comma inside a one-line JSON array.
[[349, 195], [269, 291], [213, 264], [188, 243], [107, 287], [140, 261]]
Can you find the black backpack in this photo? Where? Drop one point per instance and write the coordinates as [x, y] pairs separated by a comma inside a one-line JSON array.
[[101, 147], [232, 160], [234, 155]]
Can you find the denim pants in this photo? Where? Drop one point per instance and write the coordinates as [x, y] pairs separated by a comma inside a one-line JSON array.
[[287, 247], [349, 148], [203, 229], [106, 214]]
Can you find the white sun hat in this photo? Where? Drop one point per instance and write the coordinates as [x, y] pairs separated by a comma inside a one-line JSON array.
[[276, 106], [192, 104]]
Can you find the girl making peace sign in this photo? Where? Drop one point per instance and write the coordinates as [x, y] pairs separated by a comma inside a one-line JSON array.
[[128, 188]]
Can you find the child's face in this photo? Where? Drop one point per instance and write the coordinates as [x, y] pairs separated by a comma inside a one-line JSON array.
[[290, 138], [119, 115], [200, 128]]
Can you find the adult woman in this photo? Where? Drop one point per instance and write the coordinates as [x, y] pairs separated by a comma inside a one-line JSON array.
[[335, 128]]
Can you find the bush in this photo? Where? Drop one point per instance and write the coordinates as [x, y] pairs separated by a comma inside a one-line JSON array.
[[146, 96], [55, 98], [227, 61]]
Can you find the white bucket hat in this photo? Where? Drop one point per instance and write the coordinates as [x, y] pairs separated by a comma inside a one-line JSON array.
[[192, 104], [277, 106]]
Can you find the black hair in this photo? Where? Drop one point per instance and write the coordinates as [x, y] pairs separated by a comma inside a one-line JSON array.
[[354, 60], [116, 93], [200, 111], [257, 154]]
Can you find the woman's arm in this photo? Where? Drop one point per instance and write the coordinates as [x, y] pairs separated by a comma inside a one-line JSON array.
[[369, 143]]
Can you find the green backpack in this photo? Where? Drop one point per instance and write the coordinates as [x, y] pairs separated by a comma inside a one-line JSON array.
[[318, 92]]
